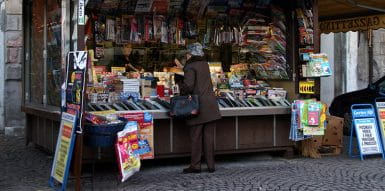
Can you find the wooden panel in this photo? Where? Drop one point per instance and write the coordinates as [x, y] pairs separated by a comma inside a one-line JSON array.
[[28, 127], [40, 132], [282, 130], [181, 137], [55, 134], [255, 132], [90, 153], [162, 136], [49, 112], [48, 133], [33, 127], [225, 137], [46, 138]]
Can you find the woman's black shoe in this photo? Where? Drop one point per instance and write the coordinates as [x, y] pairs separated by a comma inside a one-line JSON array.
[[211, 170], [191, 170]]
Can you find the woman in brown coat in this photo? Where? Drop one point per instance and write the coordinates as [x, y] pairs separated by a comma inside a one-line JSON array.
[[197, 81]]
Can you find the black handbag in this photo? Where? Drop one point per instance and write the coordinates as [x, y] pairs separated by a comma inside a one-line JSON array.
[[184, 106]]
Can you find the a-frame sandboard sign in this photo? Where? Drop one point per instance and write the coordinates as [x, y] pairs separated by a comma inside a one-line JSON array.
[[364, 124], [73, 91]]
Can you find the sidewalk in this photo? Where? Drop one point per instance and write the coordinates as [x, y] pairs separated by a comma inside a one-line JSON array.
[[27, 168]]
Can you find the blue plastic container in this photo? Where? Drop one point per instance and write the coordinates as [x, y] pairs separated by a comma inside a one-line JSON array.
[[102, 135]]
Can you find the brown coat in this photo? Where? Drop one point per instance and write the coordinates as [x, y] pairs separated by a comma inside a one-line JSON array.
[[197, 81]]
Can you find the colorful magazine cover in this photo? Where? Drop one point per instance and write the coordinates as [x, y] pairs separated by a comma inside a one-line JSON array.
[[145, 133], [125, 147]]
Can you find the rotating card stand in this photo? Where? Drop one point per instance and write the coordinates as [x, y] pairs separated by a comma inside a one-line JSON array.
[[366, 128]]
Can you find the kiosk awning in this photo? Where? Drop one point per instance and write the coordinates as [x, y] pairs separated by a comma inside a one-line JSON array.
[[351, 15]]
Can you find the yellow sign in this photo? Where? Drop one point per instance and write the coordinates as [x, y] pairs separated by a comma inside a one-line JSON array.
[[306, 87], [64, 147], [116, 70], [353, 24], [380, 105], [381, 112]]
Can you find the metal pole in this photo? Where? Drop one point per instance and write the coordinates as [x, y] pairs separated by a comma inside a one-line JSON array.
[[370, 49], [45, 56]]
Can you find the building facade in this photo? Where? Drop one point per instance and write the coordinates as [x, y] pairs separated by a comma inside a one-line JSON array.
[[12, 119]]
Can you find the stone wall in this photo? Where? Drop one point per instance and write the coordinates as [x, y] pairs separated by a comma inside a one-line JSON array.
[[378, 54], [13, 43]]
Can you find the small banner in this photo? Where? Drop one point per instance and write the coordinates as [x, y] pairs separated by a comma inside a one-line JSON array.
[[306, 87]]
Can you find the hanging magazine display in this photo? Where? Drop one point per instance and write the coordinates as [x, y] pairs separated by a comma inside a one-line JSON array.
[[308, 119]]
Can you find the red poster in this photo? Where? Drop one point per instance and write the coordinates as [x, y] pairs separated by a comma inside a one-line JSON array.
[[146, 133]]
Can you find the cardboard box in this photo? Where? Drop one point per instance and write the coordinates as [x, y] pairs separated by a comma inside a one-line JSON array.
[[317, 141], [334, 131], [330, 150]]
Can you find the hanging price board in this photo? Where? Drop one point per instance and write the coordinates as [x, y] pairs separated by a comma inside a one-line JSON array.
[[306, 87], [365, 126]]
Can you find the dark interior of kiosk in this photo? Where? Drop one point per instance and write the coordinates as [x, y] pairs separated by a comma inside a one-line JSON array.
[[249, 45]]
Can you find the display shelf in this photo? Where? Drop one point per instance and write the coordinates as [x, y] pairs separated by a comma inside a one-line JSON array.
[[225, 112], [241, 111]]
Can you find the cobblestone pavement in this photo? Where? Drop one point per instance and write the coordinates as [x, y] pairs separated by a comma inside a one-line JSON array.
[[27, 168]]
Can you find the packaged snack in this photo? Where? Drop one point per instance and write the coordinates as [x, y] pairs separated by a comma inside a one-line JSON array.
[[127, 143]]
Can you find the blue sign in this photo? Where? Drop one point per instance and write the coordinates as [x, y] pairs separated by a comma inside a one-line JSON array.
[[365, 126], [147, 117], [363, 113]]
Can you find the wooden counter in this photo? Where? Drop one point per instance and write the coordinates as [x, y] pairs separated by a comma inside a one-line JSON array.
[[240, 130]]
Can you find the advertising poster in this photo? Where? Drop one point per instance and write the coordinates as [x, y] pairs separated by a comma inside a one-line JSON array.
[[74, 87], [381, 118], [146, 133], [125, 147], [367, 136], [64, 148]]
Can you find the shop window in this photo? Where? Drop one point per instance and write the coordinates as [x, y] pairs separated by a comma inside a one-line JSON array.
[[45, 35], [36, 77], [53, 52]]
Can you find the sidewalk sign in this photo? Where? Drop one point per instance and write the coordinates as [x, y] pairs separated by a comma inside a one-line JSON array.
[[63, 153], [73, 91], [366, 128], [380, 107]]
